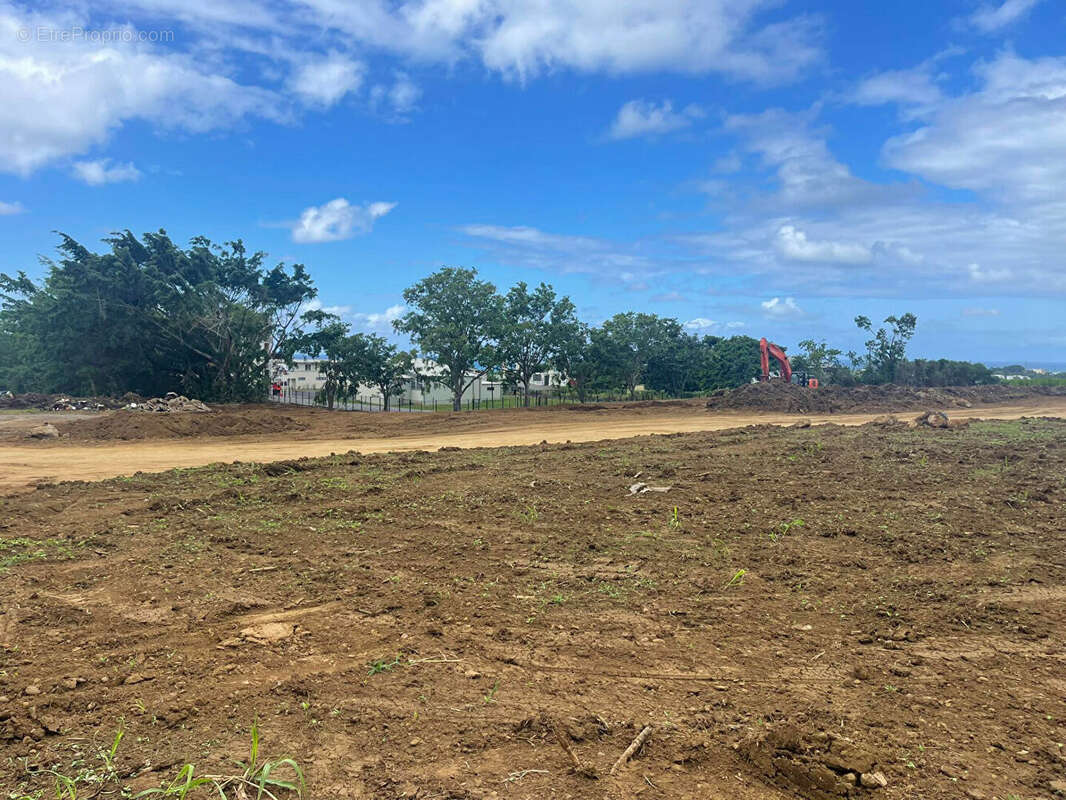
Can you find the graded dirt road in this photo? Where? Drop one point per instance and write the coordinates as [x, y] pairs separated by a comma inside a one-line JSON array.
[[24, 464]]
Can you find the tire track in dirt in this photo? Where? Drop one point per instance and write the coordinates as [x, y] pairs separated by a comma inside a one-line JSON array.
[[27, 465]]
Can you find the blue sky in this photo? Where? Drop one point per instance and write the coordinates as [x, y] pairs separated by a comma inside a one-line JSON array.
[[746, 166]]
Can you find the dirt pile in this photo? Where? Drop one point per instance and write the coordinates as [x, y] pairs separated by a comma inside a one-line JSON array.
[[136, 424], [172, 403], [835, 399]]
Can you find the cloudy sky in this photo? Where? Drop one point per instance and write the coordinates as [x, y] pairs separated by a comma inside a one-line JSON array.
[[767, 167]]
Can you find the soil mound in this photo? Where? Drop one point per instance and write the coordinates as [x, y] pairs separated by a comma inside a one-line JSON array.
[[141, 425], [836, 399]]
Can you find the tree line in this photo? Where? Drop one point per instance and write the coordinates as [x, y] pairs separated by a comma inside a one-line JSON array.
[[210, 320]]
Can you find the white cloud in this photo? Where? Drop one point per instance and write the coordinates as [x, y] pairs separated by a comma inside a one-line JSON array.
[[324, 81], [641, 118], [980, 312], [1006, 140], [992, 17], [379, 322], [399, 99], [793, 244], [980, 275], [101, 171], [8, 209], [627, 263], [915, 88], [337, 220], [704, 325], [58, 100], [781, 309]]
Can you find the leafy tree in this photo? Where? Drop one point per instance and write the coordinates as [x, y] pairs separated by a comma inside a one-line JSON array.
[[676, 366], [731, 363], [818, 358], [151, 317], [576, 360], [535, 327], [887, 348], [627, 343], [456, 320], [333, 343], [383, 365]]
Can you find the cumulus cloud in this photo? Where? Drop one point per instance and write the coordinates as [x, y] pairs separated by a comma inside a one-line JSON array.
[[337, 220], [779, 308], [1007, 139], [642, 118], [991, 17], [704, 325], [793, 244], [101, 171], [8, 209], [379, 322], [324, 80], [82, 91]]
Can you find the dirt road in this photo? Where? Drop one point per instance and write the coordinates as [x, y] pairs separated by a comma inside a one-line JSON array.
[[24, 465]]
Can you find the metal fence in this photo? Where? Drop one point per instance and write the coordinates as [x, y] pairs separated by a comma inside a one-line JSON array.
[[554, 399]]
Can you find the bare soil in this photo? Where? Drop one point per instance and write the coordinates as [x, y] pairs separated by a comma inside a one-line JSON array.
[[778, 396], [292, 432], [803, 606]]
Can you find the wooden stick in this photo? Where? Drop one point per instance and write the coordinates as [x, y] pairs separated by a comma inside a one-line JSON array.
[[579, 768], [560, 737], [633, 748]]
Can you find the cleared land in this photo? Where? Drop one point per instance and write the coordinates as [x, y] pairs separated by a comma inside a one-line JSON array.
[[122, 443], [803, 605]]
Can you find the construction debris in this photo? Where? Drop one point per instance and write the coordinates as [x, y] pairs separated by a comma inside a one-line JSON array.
[[641, 488], [171, 403], [77, 404]]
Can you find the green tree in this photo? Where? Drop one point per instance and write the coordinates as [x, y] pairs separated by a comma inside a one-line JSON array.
[[577, 360], [731, 363], [887, 348], [383, 365], [456, 320], [819, 359], [340, 361], [536, 326], [628, 342], [151, 317], [675, 367]]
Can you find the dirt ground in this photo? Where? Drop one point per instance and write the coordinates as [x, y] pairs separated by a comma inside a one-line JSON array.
[[801, 608], [293, 432]]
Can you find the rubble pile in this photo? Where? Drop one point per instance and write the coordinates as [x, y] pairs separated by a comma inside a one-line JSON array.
[[77, 404], [171, 403]]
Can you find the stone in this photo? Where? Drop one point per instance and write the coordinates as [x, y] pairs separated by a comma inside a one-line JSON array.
[[873, 780], [45, 431], [32, 690]]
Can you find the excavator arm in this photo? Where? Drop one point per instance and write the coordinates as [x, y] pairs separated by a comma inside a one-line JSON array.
[[767, 349]]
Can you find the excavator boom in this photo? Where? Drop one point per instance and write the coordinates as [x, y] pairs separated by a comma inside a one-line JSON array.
[[767, 349]]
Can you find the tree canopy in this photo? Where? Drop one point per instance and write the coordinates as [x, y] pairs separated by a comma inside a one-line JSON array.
[[149, 316]]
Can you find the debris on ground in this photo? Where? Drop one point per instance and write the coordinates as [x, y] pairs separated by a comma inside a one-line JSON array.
[[34, 401], [932, 419], [642, 488], [171, 403]]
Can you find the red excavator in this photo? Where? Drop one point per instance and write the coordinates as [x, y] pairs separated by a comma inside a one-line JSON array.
[[767, 349]]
